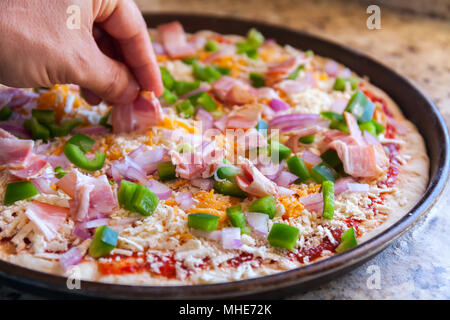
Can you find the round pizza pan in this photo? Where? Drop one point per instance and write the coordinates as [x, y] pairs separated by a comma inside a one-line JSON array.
[[415, 106]]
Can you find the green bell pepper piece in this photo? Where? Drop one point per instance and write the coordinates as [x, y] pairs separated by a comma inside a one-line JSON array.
[[125, 194], [82, 141], [167, 79], [169, 96], [166, 170], [206, 102], [65, 128], [331, 158], [361, 107], [185, 109], [262, 126], [144, 201], [20, 190], [229, 189], [203, 221], [323, 172], [237, 218], [278, 151], [104, 241], [283, 236], [78, 158], [307, 139], [211, 46], [297, 166], [38, 131], [348, 241], [44, 116], [328, 199], [339, 84], [257, 79], [60, 172], [369, 127], [378, 126], [5, 113], [183, 87], [264, 205], [295, 73]]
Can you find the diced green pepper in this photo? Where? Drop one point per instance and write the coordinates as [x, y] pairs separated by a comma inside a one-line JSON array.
[[183, 87], [65, 128], [369, 127], [38, 131], [211, 46], [223, 70], [166, 170], [229, 189], [169, 96], [339, 84], [307, 139], [75, 155], [144, 201], [208, 73], [257, 79], [254, 37], [185, 109], [104, 120], [126, 193], [331, 158], [251, 44], [298, 167], [295, 73], [309, 53], [206, 102], [82, 141], [60, 172], [337, 121], [323, 172], [5, 113], [283, 236], [203, 221], [228, 173], [104, 241], [44, 116], [361, 107], [348, 241], [237, 218], [328, 199], [278, 151], [167, 79], [20, 190], [378, 126], [190, 60], [264, 205]]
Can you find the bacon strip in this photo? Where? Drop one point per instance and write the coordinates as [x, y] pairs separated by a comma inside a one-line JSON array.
[[254, 182], [139, 115], [48, 218], [174, 41], [233, 91]]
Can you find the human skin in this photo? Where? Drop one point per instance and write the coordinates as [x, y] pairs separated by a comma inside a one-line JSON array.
[[109, 56]]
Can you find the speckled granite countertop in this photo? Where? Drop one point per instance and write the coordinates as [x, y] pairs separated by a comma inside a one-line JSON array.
[[417, 266]]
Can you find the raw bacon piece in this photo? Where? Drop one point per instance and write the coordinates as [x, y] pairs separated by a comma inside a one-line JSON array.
[[369, 161], [254, 182], [231, 90], [14, 152], [353, 128], [48, 218], [174, 41], [139, 115], [34, 165], [245, 117]]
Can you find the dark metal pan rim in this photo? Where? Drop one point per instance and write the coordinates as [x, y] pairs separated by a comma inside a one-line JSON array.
[[303, 277]]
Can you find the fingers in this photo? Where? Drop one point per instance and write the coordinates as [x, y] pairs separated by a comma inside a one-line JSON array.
[[104, 77], [126, 24]]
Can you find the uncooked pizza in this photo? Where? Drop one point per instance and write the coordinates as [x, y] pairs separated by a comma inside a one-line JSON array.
[[258, 158]]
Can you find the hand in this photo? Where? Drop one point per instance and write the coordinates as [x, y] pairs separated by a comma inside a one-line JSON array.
[[110, 55]]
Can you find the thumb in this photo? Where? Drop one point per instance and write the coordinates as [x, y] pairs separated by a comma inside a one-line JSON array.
[[107, 78]]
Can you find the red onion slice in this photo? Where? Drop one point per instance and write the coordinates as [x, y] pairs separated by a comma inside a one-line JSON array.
[[289, 122], [161, 190], [205, 118], [213, 235], [43, 185], [94, 223], [339, 105], [370, 138], [70, 258], [285, 179], [285, 192], [341, 185], [185, 200], [332, 68], [231, 238], [81, 233], [278, 105], [147, 159], [15, 129], [311, 158], [258, 222]]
